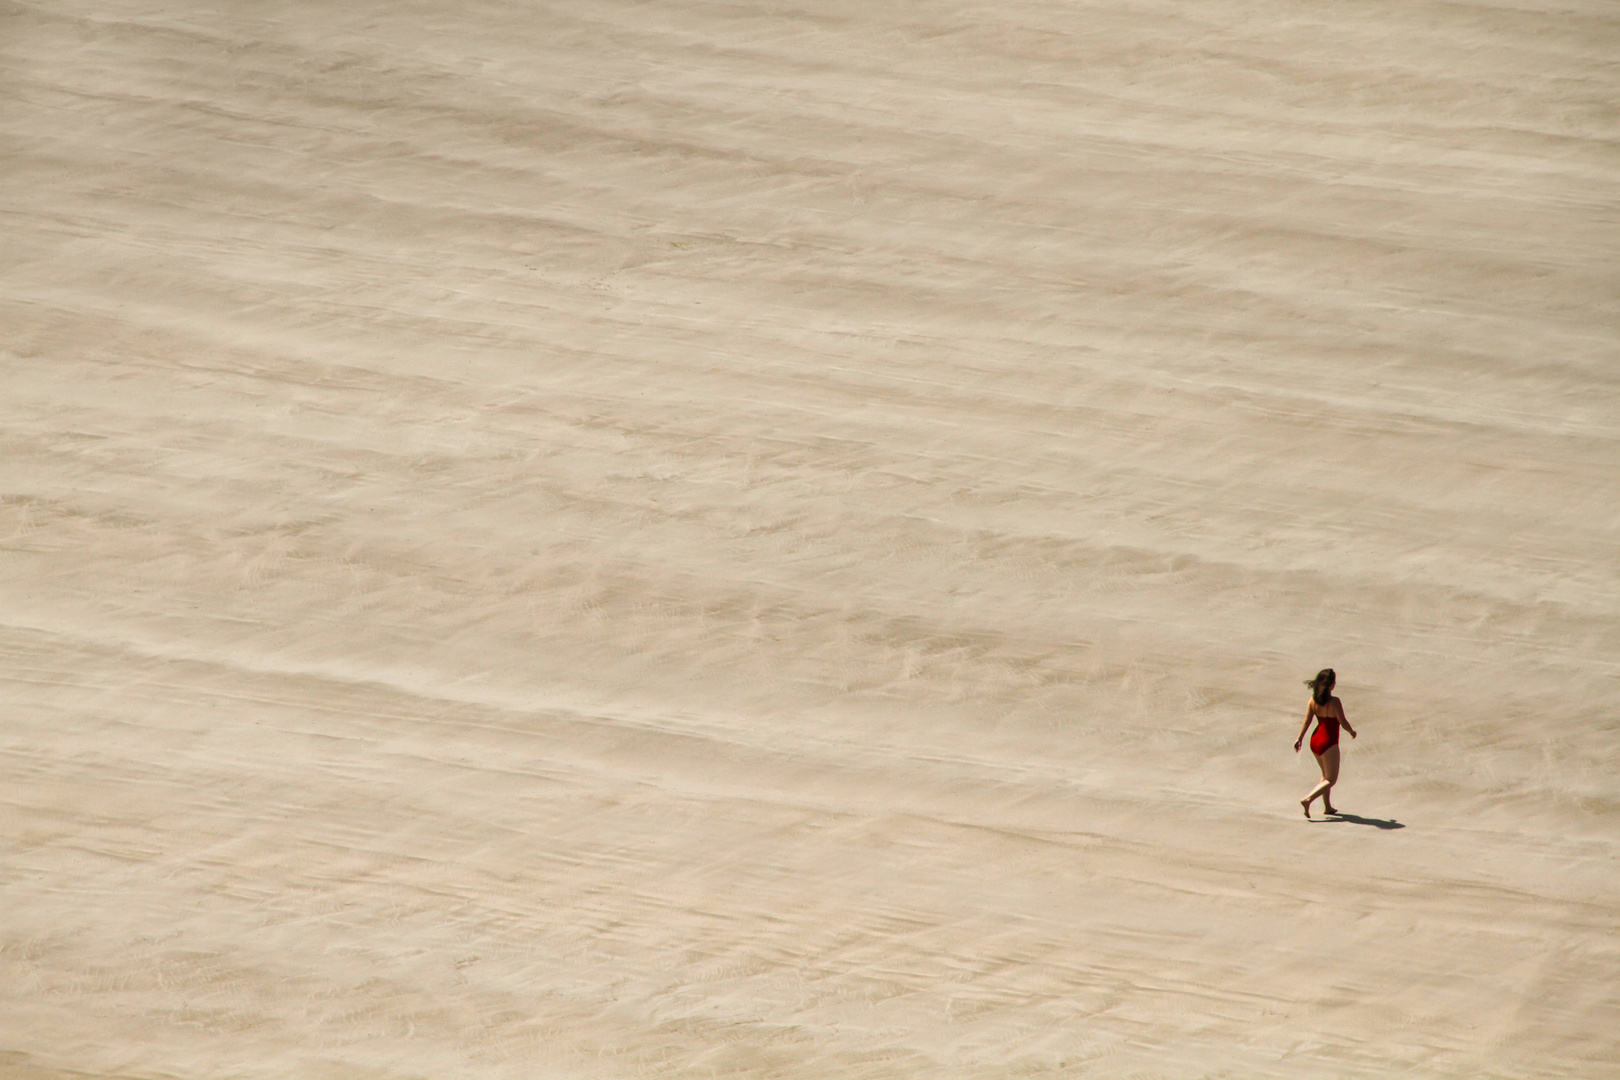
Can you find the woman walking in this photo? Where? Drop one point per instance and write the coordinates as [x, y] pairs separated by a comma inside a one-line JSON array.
[[1328, 712]]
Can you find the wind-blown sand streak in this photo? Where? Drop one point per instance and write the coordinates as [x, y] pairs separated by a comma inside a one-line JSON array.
[[696, 539]]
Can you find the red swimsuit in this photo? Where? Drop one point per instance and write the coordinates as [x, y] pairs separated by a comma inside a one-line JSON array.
[[1325, 735]]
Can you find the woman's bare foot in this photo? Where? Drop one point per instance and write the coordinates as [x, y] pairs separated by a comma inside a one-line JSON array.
[[1326, 809], [1306, 805]]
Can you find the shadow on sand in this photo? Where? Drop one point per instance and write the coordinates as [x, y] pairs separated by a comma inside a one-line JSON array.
[[1357, 819]]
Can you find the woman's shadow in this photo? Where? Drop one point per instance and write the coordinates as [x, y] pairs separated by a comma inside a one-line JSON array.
[[1357, 819]]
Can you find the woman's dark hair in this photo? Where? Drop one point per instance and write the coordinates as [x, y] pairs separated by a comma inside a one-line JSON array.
[[1322, 685]]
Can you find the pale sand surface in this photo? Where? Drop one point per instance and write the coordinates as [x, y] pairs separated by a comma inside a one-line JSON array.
[[739, 540]]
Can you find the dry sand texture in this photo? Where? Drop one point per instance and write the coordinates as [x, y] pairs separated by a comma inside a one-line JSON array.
[[619, 540]]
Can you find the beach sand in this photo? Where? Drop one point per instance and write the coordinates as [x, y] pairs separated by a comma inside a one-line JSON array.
[[634, 540]]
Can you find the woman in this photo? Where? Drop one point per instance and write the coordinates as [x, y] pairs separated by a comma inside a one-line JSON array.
[[1328, 712]]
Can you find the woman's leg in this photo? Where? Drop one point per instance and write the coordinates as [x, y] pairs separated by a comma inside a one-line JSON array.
[[1328, 761], [1330, 776]]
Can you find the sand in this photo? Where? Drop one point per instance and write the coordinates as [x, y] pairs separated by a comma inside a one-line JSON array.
[[619, 540]]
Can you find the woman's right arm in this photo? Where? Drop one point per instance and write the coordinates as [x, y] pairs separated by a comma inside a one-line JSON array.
[[1345, 720]]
